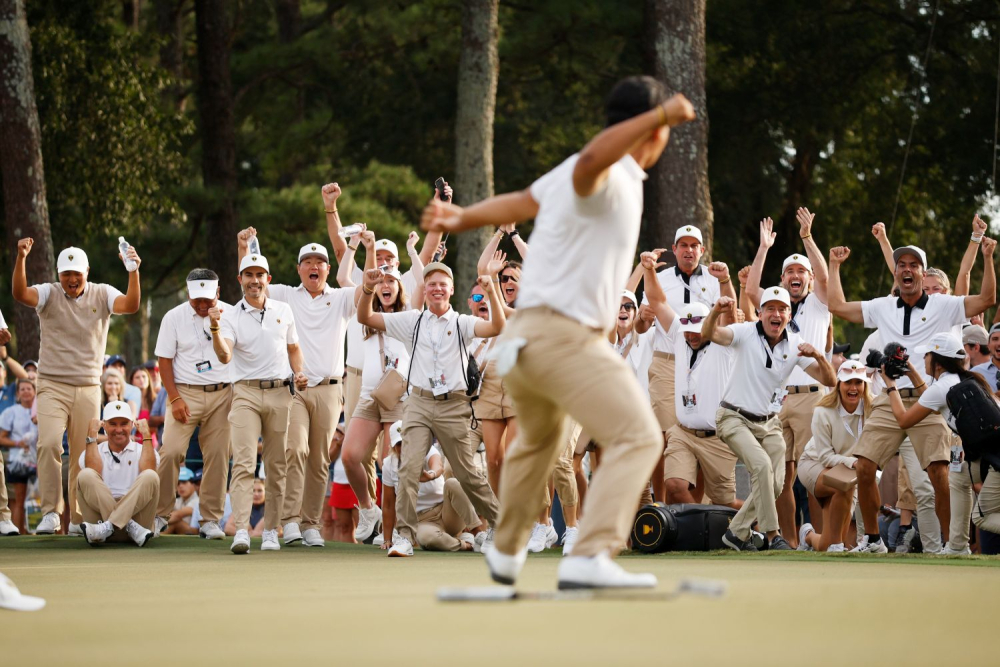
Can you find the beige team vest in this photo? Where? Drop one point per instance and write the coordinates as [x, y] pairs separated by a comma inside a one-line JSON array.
[[74, 333]]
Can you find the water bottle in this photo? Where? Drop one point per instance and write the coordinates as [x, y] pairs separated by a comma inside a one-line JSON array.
[[351, 230], [253, 245], [130, 265]]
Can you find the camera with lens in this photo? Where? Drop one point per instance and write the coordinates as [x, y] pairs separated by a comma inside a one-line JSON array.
[[893, 357]]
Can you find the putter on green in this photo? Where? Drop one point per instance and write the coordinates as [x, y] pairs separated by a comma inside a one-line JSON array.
[[698, 587]]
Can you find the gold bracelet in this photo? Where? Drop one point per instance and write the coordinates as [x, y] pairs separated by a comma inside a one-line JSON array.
[[662, 115], [807, 236], [175, 400], [364, 288], [214, 329], [723, 282], [329, 211], [918, 386], [353, 248]]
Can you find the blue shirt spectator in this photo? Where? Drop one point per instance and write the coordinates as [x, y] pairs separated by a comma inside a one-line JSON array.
[[159, 409], [990, 373]]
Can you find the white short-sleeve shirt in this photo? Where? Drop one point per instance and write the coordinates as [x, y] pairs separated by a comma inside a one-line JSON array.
[[45, 290], [699, 287], [429, 494], [582, 248], [355, 332], [260, 339], [699, 378], [758, 372], [396, 357], [812, 319], [119, 475], [185, 339], [321, 323], [438, 350], [935, 397]]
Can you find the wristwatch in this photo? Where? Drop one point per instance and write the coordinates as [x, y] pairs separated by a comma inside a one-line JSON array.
[[90, 440]]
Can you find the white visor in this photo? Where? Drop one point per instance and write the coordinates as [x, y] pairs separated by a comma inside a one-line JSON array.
[[202, 289]]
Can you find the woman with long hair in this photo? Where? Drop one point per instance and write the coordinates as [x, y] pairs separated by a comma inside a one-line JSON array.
[[139, 377], [837, 423]]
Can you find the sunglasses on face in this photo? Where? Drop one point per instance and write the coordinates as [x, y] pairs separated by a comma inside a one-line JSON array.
[[627, 306], [476, 298], [697, 319], [507, 279]]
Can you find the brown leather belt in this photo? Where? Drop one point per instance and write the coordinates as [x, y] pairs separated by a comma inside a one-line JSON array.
[[204, 387], [664, 355], [746, 415], [802, 388], [423, 393], [265, 384], [908, 393], [696, 433]]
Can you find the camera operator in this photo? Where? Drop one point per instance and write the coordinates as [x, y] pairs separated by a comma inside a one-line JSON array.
[[910, 320]]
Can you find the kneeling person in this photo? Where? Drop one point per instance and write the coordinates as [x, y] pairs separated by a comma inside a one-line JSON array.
[[118, 486]]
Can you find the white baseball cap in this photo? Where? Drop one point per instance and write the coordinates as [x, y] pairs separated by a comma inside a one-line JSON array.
[[945, 344], [313, 250], [688, 230], [691, 312], [386, 244], [630, 295], [202, 289], [396, 433], [910, 250], [117, 409], [72, 259], [776, 293], [797, 259], [254, 260], [13, 599], [852, 370]]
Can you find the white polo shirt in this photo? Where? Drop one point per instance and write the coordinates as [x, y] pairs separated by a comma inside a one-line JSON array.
[[935, 397], [355, 332], [699, 378], [394, 356], [699, 287], [758, 372], [633, 342], [260, 339], [438, 350], [910, 327], [429, 494], [322, 326], [119, 475], [812, 318], [582, 248], [185, 339]]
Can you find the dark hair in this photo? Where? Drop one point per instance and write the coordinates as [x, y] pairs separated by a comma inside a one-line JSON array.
[[956, 366], [398, 306], [203, 274], [982, 349], [633, 96]]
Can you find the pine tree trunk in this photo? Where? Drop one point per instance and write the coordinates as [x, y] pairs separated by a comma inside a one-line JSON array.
[[478, 70], [218, 138], [677, 191], [26, 211], [170, 25], [289, 16]]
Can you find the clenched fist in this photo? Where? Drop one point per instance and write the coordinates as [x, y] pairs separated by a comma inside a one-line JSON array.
[[839, 255], [24, 247]]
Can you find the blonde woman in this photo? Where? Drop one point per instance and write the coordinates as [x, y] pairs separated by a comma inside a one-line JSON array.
[[837, 423]]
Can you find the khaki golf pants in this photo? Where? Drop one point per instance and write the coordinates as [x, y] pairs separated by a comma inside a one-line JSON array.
[[352, 395], [761, 447], [139, 504], [258, 413], [569, 371], [4, 506], [986, 512], [210, 411], [438, 526], [62, 407], [314, 416]]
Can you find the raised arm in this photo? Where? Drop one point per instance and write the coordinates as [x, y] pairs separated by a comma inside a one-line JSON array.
[[838, 305], [710, 329], [498, 318], [23, 294], [820, 274], [366, 315], [964, 278], [767, 237], [749, 311], [878, 231], [242, 243], [720, 271], [223, 347], [331, 193], [654, 290], [433, 240], [987, 296], [633, 280], [493, 212], [488, 252], [417, 266], [129, 303], [515, 236], [821, 371], [147, 455]]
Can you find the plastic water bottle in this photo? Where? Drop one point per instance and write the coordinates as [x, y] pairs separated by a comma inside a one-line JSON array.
[[253, 245], [130, 264], [351, 230]]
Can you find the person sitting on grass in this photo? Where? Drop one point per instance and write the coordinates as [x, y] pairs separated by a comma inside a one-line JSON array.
[[181, 521], [118, 487], [837, 423]]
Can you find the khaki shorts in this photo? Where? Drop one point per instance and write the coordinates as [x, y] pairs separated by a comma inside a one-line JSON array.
[[661, 390], [685, 452], [369, 410], [809, 472], [882, 436], [796, 422], [494, 401]]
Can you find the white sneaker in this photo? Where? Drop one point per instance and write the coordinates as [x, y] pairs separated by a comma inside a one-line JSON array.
[[210, 530], [241, 542], [139, 534], [503, 567], [478, 541], [873, 548], [836, 548], [312, 538], [948, 551], [270, 542], [599, 572], [49, 524], [804, 530], [539, 538], [160, 524], [8, 528], [96, 533], [569, 540], [369, 522], [291, 533], [401, 547], [487, 542], [469, 539], [75, 530], [551, 536]]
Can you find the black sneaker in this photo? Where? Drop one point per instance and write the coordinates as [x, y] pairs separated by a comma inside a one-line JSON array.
[[779, 544], [735, 543]]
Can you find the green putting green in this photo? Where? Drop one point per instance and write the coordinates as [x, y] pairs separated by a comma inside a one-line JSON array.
[[183, 601]]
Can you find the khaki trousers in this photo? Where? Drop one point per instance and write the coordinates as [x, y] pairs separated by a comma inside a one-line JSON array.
[[761, 447], [256, 414], [986, 513], [139, 504], [448, 420], [352, 395], [923, 492], [568, 371], [62, 407], [564, 477], [314, 416], [210, 411], [661, 391], [438, 526], [4, 506], [796, 422], [962, 499]]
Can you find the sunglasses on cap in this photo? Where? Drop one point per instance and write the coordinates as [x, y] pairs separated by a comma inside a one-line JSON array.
[[628, 305], [697, 319], [507, 279], [478, 297]]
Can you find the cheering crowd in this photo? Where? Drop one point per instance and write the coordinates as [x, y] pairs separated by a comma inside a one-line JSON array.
[[417, 417]]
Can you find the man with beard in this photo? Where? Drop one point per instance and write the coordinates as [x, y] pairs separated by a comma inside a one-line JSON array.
[[804, 276], [199, 395], [764, 356], [911, 320]]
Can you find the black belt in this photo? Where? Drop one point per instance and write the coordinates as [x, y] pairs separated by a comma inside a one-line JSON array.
[[802, 388], [205, 387], [265, 384], [442, 397], [746, 415], [329, 381], [696, 433], [910, 393]]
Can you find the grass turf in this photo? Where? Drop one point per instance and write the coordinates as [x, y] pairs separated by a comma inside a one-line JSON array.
[[183, 601]]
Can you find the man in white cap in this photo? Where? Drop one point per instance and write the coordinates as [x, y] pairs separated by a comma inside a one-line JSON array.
[[118, 486], [688, 282], [257, 337], [702, 370], [199, 396], [910, 320], [438, 406], [321, 316], [805, 278], [73, 316], [764, 354]]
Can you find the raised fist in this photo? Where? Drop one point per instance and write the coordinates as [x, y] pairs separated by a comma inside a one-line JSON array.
[[978, 226], [411, 242], [724, 303], [331, 192], [988, 245], [718, 270], [679, 110], [878, 230], [649, 259], [839, 254], [24, 246], [214, 315], [743, 275]]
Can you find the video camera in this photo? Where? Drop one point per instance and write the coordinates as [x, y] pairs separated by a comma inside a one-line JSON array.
[[893, 357]]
